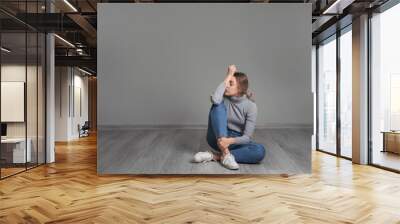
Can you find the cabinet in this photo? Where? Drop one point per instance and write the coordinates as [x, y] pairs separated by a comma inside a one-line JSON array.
[[391, 141]]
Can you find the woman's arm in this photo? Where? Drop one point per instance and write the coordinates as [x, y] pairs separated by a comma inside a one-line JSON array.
[[250, 126], [218, 95]]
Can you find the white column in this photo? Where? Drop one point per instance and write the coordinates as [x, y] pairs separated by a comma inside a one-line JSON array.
[[50, 91], [360, 90]]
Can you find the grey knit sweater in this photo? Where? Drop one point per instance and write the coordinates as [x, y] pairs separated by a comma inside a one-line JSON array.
[[241, 111]]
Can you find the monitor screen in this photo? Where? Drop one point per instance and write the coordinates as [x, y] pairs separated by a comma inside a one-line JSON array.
[[3, 129]]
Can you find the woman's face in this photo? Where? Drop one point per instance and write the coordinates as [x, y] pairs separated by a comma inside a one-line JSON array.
[[233, 88]]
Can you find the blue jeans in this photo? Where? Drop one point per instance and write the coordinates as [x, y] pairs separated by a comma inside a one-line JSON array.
[[218, 127]]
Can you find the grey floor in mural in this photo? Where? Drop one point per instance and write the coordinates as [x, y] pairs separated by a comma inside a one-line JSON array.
[[170, 151]]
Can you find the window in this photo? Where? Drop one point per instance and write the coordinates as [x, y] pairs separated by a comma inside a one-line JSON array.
[[346, 92], [385, 88], [327, 95]]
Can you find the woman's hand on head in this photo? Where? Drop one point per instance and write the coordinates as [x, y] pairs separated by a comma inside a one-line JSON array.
[[232, 69]]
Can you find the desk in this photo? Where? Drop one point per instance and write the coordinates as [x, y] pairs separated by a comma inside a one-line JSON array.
[[391, 141], [15, 148]]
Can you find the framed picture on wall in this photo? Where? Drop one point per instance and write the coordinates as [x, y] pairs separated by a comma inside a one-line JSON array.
[[12, 101]]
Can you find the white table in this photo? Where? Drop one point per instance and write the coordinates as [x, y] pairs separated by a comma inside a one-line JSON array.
[[19, 149]]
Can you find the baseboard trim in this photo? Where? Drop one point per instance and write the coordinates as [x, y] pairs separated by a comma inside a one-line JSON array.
[[197, 126]]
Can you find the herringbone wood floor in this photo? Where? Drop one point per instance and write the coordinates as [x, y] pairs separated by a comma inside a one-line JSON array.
[[69, 191]]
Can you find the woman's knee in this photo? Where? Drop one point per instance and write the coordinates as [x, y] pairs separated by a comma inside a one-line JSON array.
[[259, 152], [218, 111], [218, 107]]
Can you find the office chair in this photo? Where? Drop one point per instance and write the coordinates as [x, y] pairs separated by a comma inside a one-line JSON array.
[[84, 130]]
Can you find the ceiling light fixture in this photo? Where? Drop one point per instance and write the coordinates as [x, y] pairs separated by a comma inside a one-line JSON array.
[[70, 5], [5, 49], [65, 41], [86, 72], [331, 7]]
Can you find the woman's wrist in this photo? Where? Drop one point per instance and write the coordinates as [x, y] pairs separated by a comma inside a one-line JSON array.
[[232, 140]]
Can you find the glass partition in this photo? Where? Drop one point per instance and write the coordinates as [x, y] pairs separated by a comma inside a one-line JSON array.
[[14, 151], [32, 95], [22, 88], [41, 87]]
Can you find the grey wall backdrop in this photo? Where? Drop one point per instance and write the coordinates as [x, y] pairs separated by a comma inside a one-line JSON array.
[[159, 63]]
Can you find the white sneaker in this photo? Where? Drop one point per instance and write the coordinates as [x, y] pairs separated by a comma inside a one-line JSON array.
[[229, 162], [202, 157]]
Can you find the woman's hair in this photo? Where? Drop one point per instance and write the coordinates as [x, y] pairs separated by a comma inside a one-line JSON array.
[[243, 82]]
